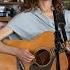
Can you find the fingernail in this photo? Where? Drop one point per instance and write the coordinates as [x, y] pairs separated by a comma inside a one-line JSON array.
[[32, 56]]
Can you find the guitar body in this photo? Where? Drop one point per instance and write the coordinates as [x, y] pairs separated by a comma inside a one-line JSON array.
[[8, 62], [42, 41]]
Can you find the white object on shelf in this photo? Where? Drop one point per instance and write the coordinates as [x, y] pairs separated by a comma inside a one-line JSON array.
[[22, 0], [6, 0]]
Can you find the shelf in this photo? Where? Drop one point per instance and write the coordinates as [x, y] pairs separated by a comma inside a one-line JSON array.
[[11, 3], [5, 19], [66, 1], [18, 3]]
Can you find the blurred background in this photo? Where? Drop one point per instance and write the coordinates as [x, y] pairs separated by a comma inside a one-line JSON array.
[[67, 4], [13, 7], [9, 8]]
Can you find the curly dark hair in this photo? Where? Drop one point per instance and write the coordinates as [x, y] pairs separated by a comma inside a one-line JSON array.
[[30, 4]]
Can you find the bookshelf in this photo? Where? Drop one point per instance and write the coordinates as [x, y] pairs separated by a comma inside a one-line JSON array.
[[13, 2], [9, 4], [5, 19]]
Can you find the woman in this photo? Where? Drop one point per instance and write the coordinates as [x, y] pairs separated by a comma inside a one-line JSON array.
[[36, 18]]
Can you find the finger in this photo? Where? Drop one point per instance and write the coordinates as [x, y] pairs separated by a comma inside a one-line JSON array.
[[26, 62], [25, 59], [68, 45], [28, 57], [28, 54]]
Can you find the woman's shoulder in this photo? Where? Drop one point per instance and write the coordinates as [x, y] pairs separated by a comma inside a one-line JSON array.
[[67, 12], [67, 18], [23, 16]]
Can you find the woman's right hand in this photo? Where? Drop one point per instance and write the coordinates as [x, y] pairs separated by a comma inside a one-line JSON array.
[[25, 56]]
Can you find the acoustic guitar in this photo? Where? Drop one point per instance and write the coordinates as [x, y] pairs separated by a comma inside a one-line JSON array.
[[8, 62], [40, 46]]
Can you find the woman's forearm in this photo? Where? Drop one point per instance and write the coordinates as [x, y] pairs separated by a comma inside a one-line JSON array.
[[4, 32], [8, 50], [24, 55]]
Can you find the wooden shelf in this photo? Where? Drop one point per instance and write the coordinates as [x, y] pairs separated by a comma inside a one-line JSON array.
[[5, 19], [66, 1], [11, 3]]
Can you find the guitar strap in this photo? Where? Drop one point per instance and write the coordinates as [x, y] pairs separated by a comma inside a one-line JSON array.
[[20, 65]]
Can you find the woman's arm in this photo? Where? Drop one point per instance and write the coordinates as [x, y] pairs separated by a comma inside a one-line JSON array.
[[23, 54], [4, 32]]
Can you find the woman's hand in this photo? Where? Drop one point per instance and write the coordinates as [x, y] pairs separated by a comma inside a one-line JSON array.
[[25, 56], [68, 45]]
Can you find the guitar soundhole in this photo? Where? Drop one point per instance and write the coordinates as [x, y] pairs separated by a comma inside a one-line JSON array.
[[42, 57]]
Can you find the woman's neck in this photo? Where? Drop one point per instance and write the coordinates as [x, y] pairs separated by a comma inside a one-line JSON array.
[[48, 12], [46, 8]]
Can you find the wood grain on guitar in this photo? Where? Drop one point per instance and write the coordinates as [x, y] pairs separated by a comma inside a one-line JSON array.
[[7, 62], [43, 40]]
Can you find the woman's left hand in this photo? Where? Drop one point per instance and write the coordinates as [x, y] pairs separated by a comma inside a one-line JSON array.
[[68, 45]]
